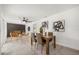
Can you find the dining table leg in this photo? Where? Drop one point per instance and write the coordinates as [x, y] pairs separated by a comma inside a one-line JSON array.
[[47, 46], [54, 41], [31, 42]]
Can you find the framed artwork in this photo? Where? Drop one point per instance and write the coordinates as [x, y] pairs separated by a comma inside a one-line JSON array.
[[45, 24], [28, 28], [59, 26]]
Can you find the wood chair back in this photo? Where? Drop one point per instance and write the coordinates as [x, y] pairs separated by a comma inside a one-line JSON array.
[[39, 38]]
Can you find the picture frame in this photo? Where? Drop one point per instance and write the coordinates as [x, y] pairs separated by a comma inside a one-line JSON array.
[[28, 28], [45, 24], [59, 26]]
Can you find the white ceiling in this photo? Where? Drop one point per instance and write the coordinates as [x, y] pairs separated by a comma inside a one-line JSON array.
[[36, 11]]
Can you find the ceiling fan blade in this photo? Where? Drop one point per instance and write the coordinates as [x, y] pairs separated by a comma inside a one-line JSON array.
[[29, 21], [26, 19]]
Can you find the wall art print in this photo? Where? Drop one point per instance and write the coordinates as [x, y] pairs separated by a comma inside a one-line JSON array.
[[45, 24], [59, 26], [28, 28]]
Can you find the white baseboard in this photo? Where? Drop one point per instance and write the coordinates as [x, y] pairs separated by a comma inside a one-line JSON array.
[[66, 45]]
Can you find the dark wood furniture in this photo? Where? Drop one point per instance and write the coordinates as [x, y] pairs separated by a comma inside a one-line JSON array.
[[40, 41], [54, 41], [44, 39], [47, 43], [48, 39]]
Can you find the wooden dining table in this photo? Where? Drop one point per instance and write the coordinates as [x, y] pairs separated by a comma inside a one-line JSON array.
[[48, 38]]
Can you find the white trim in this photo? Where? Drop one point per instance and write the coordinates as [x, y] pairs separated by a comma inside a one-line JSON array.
[[66, 45]]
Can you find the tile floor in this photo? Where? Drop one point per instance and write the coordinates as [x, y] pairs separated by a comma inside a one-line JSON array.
[[59, 50], [20, 48]]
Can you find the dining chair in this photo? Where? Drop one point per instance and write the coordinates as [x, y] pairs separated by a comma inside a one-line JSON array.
[[40, 40], [33, 39], [51, 35], [53, 38]]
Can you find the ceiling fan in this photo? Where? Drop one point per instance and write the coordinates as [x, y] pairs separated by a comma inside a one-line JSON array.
[[26, 19]]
